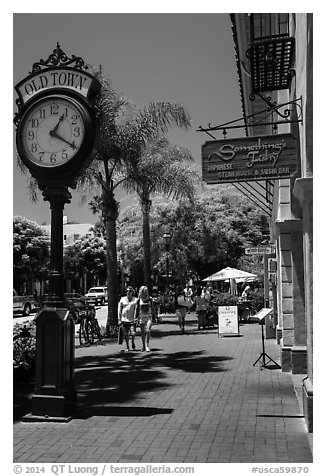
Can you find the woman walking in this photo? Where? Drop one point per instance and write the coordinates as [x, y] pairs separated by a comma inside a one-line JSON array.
[[201, 308], [126, 315], [181, 307], [144, 313]]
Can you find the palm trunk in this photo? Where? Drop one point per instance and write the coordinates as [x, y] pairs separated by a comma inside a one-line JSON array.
[[112, 275], [146, 206], [110, 215]]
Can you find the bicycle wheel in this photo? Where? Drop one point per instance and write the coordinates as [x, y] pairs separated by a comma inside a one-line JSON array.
[[83, 336], [96, 329], [89, 332]]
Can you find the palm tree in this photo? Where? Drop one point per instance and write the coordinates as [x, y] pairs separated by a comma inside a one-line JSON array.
[[165, 169], [124, 131]]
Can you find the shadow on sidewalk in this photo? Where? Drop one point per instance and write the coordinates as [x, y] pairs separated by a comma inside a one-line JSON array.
[[121, 377], [159, 333], [84, 413], [22, 395], [107, 384]]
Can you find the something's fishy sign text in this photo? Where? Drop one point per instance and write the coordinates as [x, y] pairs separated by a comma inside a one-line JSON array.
[[249, 158]]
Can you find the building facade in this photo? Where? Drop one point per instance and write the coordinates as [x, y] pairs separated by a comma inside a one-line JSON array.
[[73, 231], [274, 63]]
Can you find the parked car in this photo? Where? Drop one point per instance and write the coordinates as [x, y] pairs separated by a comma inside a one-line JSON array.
[[80, 306], [97, 295], [23, 304]]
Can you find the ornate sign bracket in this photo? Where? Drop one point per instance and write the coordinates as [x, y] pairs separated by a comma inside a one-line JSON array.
[[266, 117]]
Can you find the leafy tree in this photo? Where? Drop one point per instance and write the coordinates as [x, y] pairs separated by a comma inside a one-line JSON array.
[[31, 251], [207, 235], [86, 255]]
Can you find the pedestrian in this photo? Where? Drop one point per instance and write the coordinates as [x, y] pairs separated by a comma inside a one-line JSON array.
[[201, 308], [126, 317], [181, 307], [156, 307], [144, 313], [35, 295], [245, 292], [189, 295]]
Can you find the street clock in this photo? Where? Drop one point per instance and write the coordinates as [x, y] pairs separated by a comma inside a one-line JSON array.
[[56, 119], [55, 133], [55, 137]]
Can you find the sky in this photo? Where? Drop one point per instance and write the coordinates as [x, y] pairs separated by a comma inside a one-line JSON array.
[[185, 57]]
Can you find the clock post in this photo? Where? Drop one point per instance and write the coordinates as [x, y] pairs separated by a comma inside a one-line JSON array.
[[55, 138], [57, 197]]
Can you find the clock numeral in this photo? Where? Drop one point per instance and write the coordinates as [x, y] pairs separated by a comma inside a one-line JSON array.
[[31, 135], [42, 113], [41, 155], [76, 131], [53, 158], [34, 147], [64, 155], [35, 123], [74, 119], [54, 109]]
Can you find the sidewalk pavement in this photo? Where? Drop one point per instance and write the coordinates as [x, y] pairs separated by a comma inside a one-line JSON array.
[[195, 398]]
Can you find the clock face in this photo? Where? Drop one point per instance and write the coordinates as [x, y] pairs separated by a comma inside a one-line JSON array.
[[52, 131]]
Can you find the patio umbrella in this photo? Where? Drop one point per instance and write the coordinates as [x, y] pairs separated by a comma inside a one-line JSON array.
[[230, 273]]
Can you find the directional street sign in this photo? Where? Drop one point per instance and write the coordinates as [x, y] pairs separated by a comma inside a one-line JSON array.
[[260, 250]]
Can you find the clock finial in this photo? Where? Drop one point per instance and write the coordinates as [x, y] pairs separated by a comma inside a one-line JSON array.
[[59, 58]]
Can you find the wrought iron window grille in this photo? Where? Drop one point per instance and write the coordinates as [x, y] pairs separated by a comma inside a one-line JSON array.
[[271, 63]]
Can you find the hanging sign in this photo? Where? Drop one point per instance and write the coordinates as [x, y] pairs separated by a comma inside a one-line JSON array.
[[260, 250], [249, 158], [228, 323]]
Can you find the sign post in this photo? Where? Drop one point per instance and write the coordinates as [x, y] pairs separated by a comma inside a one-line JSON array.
[[262, 316]]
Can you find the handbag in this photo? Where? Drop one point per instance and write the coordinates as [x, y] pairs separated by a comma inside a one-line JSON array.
[[120, 335]]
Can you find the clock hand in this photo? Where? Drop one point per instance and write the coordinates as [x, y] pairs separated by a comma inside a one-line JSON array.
[[53, 133], [60, 120]]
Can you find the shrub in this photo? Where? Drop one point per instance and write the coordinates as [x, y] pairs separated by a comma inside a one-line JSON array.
[[225, 299], [256, 300], [24, 347]]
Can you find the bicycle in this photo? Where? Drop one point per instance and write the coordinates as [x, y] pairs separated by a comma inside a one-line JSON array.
[[95, 328], [89, 330]]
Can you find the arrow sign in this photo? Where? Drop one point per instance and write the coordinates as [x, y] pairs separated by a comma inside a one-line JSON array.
[[260, 250]]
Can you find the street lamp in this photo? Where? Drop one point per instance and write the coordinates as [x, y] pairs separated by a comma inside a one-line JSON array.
[[167, 240]]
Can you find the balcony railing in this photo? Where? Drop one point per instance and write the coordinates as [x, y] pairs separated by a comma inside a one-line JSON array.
[[271, 51], [271, 63]]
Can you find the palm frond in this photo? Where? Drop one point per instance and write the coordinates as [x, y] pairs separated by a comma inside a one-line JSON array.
[[163, 168]]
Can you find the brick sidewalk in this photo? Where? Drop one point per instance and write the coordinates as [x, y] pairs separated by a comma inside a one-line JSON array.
[[194, 398]]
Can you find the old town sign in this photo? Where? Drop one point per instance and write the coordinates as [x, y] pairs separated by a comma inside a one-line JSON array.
[[249, 158]]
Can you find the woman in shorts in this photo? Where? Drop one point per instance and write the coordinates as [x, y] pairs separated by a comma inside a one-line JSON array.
[[144, 313], [126, 317]]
